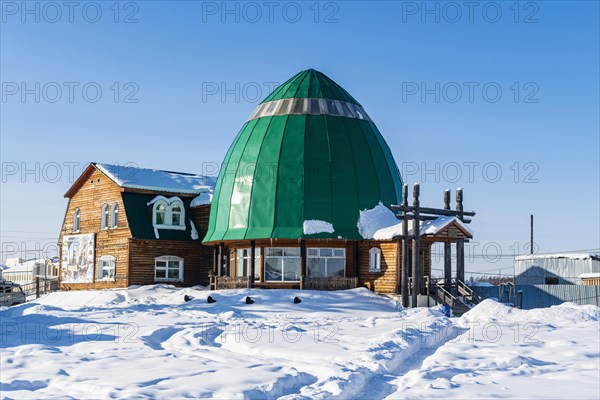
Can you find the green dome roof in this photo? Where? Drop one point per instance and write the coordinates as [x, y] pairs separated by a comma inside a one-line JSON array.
[[308, 152], [311, 84]]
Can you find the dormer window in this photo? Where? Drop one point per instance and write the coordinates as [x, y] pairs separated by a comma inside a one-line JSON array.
[[168, 213], [159, 214], [176, 215]]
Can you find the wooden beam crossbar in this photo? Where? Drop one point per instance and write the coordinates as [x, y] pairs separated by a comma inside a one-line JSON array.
[[435, 211]]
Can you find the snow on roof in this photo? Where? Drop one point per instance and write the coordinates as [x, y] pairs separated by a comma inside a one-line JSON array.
[[372, 220], [573, 256], [157, 180], [202, 199], [380, 223], [434, 226], [28, 265], [313, 226], [590, 275], [480, 284]]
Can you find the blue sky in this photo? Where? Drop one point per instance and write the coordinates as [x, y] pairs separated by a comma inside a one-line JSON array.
[[532, 114]]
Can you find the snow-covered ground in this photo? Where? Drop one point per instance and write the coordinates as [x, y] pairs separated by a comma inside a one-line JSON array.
[[148, 342]]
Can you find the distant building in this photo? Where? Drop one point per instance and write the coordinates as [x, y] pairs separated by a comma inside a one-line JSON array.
[[555, 269], [25, 271]]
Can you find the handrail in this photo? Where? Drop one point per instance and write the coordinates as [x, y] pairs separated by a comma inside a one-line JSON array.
[[445, 294], [468, 292]]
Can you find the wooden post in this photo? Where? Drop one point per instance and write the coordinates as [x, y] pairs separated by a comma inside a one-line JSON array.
[[252, 266], [220, 264], [215, 259], [355, 259], [447, 248], [404, 276], [460, 244], [398, 265], [37, 287], [302, 262], [416, 262]]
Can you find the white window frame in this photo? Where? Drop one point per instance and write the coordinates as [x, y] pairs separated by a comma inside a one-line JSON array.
[[114, 216], [109, 259], [284, 258], [318, 255], [155, 210], [180, 213], [77, 220], [169, 204], [240, 258], [375, 260], [104, 217], [166, 268]]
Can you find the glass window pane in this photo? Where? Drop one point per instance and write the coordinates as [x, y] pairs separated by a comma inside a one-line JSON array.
[[174, 264], [273, 269], [291, 269], [312, 252], [326, 252], [271, 108], [316, 267], [284, 107], [162, 264], [257, 271], [335, 267], [273, 251], [173, 273], [161, 273], [292, 251], [314, 106], [298, 107], [348, 111], [242, 267], [338, 252]]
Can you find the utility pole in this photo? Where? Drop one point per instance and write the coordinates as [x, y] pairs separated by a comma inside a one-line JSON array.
[[531, 235]]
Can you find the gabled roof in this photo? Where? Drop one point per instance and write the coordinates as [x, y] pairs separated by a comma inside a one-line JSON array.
[[133, 177], [381, 223], [426, 228], [437, 225]]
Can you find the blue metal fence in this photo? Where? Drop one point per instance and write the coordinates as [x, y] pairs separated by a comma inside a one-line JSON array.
[[539, 296]]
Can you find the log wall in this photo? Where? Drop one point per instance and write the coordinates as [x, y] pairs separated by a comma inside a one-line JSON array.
[[94, 192], [144, 252], [384, 281]]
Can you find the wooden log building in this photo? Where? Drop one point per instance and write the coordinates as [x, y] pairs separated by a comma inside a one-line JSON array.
[[308, 196], [131, 226]]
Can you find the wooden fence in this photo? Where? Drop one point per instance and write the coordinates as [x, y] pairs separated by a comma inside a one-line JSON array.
[[329, 283], [230, 282]]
